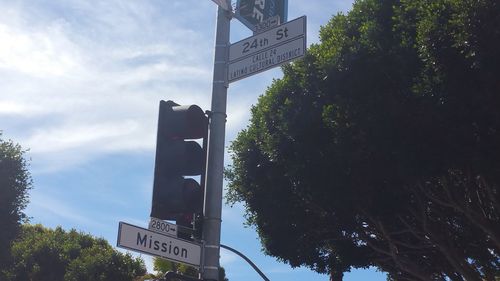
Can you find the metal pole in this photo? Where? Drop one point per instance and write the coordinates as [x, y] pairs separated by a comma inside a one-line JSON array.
[[215, 163], [247, 260]]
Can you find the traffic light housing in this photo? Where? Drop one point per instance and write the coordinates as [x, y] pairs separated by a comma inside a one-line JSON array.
[[178, 156]]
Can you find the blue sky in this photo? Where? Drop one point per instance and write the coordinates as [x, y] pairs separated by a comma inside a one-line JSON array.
[[80, 83]]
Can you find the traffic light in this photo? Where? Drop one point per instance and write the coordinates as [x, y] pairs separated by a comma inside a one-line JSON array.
[[178, 156]]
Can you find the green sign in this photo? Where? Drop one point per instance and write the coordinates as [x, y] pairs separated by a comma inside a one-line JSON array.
[[254, 12]]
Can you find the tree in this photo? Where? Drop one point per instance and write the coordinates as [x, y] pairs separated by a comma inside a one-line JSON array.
[[55, 254], [381, 147], [163, 266], [15, 182]]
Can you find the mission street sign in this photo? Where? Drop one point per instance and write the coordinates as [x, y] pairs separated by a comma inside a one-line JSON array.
[[168, 247], [162, 227], [266, 50]]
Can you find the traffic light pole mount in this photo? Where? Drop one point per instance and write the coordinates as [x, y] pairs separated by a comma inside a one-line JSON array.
[[215, 162]]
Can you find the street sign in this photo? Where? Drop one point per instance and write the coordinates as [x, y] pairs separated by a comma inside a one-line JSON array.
[[148, 242], [225, 4], [266, 50], [253, 12], [267, 24], [162, 227], [277, 35]]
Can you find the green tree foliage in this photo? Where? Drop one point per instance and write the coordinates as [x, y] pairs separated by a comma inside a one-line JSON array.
[[15, 182], [163, 266], [54, 254], [382, 146]]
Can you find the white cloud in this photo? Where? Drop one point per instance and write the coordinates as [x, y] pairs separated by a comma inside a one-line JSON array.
[[87, 81], [72, 137], [57, 211], [13, 108], [37, 53]]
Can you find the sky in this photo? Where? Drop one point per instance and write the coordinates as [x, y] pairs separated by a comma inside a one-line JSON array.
[[80, 83]]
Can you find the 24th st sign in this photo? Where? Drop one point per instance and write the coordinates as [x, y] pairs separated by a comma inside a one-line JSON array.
[[267, 50]]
